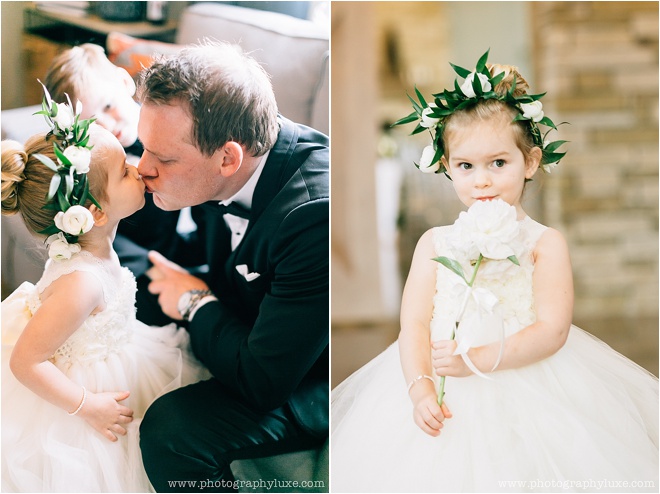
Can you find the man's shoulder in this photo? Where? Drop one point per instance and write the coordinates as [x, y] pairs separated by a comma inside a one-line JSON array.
[[300, 137]]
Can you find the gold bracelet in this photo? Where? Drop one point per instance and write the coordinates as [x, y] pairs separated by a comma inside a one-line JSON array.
[[419, 378]]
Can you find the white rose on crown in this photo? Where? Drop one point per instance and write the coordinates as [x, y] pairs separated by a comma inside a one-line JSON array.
[[59, 248], [79, 157], [64, 118], [467, 88], [425, 162], [75, 221], [532, 111], [428, 121]]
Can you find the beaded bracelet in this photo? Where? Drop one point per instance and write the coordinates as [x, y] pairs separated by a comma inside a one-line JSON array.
[[82, 402], [419, 378]]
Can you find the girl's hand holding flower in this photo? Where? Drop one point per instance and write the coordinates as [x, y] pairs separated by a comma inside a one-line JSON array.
[[445, 363], [427, 414]]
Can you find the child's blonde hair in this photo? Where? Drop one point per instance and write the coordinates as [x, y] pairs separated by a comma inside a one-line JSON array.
[[26, 180], [485, 109], [70, 70]]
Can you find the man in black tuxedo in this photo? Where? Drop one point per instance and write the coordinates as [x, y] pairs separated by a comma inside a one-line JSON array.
[[259, 318]]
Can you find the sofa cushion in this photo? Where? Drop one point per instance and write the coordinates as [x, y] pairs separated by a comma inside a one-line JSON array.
[[133, 54], [293, 51]]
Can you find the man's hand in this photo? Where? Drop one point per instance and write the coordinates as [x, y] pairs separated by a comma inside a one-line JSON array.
[[169, 281]]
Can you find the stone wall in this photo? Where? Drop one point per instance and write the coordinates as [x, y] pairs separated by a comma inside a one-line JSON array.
[[598, 61]]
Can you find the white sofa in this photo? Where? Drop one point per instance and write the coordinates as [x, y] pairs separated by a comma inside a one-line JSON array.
[[295, 52]]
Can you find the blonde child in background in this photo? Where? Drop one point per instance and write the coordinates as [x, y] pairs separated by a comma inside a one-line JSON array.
[[530, 402], [78, 370]]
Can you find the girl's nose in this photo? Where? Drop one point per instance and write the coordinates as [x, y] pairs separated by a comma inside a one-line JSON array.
[[481, 178], [134, 172]]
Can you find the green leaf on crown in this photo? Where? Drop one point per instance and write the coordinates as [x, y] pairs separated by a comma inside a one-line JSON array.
[[54, 185], [405, 120], [421, 98], [553, 146], [51, 230], [46, 161], [460, 70], [62, 201], [481, 64], [60, 156]]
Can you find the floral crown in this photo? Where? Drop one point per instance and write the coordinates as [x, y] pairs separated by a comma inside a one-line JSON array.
[[478, 85], [69, 187]]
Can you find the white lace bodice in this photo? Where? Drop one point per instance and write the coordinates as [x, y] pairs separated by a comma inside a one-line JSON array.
[[103, 333], [511, 284]]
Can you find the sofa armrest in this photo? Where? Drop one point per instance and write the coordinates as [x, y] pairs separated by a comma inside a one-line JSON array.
[[20, 123]]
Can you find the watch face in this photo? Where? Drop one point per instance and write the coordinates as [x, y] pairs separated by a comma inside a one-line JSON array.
[[184, 300]]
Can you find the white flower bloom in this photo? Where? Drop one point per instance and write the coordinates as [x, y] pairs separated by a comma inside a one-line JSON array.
[[79, 157], [75, 221], [426, 120], [64, 117], [425, 164], [467, 89], [489, 228], [548, 167], [59, 248], [532, 111]]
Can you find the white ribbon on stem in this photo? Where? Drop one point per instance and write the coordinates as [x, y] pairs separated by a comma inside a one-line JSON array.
[[468, 327]]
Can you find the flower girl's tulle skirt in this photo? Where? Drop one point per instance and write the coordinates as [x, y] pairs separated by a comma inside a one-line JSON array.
[[583, 420], [46, 450]]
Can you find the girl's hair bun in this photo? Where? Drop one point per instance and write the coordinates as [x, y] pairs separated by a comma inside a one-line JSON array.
[[14, 159], [510, 72]]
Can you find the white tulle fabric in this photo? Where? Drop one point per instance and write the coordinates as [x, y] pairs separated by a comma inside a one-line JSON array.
[[46, 450], [583, 416]]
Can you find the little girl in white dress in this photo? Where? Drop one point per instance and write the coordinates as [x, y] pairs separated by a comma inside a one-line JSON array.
[[78, 369], [529, 402]]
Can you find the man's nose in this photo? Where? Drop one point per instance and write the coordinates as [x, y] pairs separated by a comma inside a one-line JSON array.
[[143, 167]]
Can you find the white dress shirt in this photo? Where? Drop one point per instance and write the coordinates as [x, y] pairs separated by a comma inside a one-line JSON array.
[[236, 224]]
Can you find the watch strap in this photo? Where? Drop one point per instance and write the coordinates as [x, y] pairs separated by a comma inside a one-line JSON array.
[[195, 297]]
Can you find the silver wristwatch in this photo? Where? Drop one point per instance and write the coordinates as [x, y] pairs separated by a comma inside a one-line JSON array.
[[189, 300]]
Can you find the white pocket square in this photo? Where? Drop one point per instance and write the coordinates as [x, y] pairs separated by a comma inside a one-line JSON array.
[[243, 271]]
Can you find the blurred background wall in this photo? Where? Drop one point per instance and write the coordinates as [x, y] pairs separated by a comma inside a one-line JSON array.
[[598, 61]]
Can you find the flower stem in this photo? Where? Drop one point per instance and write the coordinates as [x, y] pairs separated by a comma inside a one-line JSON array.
[[476, 268], [441, 389]]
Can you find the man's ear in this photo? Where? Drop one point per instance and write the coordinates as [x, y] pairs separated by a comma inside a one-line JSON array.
[[232, 159], [127, 80], [100, 218], [533, 162]]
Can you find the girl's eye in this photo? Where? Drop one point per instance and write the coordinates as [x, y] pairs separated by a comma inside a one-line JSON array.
[[498, 163], [125, 170], [464, 166], [107, 107]]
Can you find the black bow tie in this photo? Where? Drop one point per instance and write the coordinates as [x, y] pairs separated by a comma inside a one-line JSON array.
[[234, 209]]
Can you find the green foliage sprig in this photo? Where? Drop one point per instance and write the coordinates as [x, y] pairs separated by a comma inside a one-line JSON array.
[[69, 185]]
